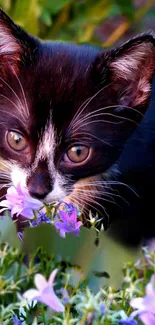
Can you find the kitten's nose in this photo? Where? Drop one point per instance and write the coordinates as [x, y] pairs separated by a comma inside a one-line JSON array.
[[39, 184]]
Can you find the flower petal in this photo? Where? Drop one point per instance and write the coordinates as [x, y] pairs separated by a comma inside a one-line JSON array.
[[31, 294], [50, 299], [27, 213], [137, 303], [52, 277], [40, 282], [73, 216], [150, 288], [64, 216], [62, 233], [76, 232], [147, 318]]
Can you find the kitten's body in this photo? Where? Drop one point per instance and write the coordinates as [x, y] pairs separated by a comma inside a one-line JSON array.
[[136, 216], [66, 113]]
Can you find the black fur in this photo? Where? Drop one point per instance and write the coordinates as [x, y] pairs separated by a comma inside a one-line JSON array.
[[57, 79], [135, 218]]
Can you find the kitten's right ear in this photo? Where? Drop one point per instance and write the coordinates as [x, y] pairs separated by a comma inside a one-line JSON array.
[[15, 44], [130, 69]]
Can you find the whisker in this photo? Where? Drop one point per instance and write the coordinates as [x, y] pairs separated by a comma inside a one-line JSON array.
[[105, 121], [91, 114], [15, 116], [11, 89], [104, 185], [83, 199], [86, 103], [93, 195], [3, 176], [24, 97], [2, 196], [10, 101], [80, 207], [82, 195], [93, 136]]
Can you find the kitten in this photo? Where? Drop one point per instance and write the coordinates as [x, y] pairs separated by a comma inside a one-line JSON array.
[[66, 111]]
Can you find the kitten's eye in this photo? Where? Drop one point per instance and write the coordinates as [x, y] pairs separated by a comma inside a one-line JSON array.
[[16, 141], [78, 154]]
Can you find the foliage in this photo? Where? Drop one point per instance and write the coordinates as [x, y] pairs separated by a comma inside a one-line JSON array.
[[82, 306], [72, 20]]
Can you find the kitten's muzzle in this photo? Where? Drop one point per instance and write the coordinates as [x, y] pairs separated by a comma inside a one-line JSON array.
[[39, 184]]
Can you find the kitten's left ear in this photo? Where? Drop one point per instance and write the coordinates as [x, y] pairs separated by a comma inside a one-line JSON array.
[[15, 44], [130, 70]]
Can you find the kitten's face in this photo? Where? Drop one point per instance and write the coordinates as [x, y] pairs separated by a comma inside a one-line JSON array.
[[66, 111]]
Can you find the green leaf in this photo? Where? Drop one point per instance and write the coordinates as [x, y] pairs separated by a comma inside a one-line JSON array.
[[46, 18], [126, 8], [72, 248], [55, 6], [26, 13], [6, 5], [8, 232], [81, 251]]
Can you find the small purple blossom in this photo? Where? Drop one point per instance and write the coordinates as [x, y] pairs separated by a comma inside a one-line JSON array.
[[16, 321], [20, 202], [102, 308], [44, 292], [146, 306], [67, 223], [65, 296], [69, 207], [41, 217]]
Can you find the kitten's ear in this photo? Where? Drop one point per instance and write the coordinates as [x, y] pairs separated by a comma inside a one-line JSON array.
[[15, 44], [130, 70]]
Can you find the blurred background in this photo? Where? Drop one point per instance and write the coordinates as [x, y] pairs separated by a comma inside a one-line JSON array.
[[100, 22]]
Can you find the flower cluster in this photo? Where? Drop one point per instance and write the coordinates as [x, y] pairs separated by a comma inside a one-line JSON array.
[[62, 300], [67, 222], [19, 202]]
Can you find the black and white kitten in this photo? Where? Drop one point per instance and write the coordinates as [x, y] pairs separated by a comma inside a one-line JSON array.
[[66, 111]]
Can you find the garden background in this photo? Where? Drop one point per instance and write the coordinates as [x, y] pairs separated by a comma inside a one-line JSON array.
[[101, 22]]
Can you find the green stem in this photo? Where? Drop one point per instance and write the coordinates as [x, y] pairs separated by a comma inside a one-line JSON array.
[[84, 318], [43, 314]]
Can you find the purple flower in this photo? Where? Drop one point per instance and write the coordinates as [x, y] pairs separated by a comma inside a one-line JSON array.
[[69, 207], [44, 292], [146, 306], [67, 223], [41, 217], [16, 321], [102, 308], [19, 202], [127, 321], [65, 296]]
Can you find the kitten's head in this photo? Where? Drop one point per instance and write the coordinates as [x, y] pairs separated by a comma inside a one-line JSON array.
[[66, 112]]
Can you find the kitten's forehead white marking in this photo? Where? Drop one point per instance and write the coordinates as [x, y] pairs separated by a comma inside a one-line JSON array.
[[45, 151], [46, 145]]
